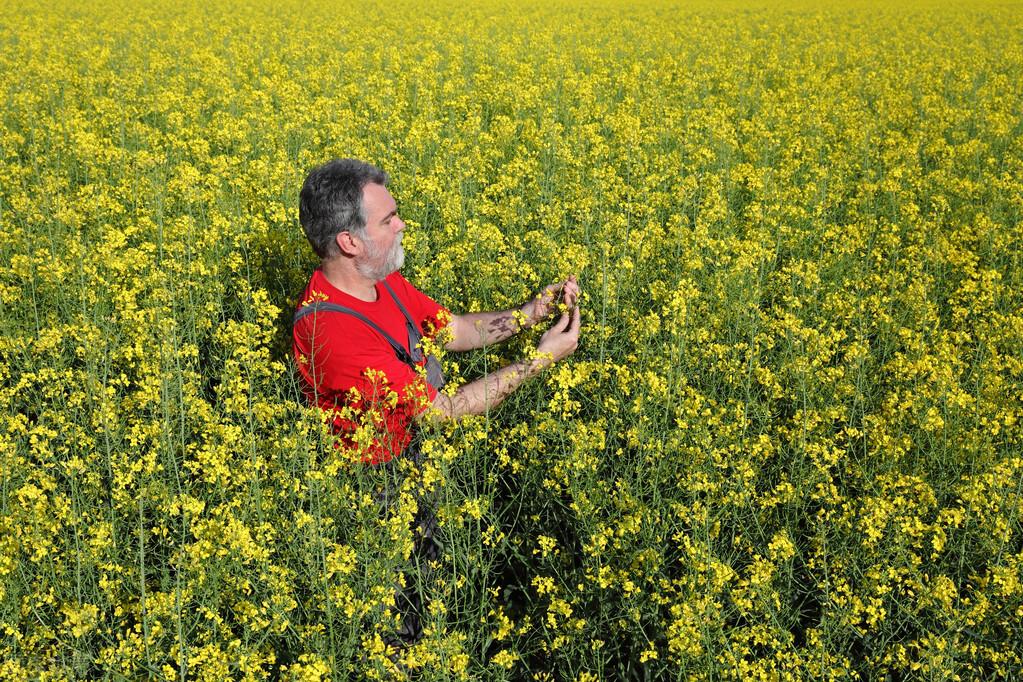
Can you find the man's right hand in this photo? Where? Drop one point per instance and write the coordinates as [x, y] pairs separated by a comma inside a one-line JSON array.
[[562, 338]]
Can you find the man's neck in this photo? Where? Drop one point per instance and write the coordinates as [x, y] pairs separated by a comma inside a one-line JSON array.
[[343, 275]]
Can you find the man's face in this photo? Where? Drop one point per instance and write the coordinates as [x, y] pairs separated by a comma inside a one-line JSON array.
[[383, 254]]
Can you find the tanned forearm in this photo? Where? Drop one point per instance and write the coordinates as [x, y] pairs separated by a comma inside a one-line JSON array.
[[476, 330], [489, 391]]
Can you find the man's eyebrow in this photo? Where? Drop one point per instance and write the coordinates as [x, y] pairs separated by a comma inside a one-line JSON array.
[[389, 216]]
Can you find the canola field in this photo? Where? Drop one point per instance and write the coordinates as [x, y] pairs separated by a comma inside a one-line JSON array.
[[789, 447]]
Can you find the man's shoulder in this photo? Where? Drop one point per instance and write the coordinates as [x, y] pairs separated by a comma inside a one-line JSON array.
[[398, 283], [314, 291], [320, 312], [405, 290]]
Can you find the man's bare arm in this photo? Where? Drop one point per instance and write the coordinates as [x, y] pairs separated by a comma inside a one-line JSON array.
[[488, 392], [477, 330]]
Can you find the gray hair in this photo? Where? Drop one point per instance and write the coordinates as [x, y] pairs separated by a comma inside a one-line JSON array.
[[331, 202]]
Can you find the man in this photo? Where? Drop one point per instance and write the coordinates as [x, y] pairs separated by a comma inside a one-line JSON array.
[[356, 327]]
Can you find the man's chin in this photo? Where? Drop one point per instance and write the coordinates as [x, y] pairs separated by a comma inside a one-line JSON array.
[[396, 265], [384, 271]]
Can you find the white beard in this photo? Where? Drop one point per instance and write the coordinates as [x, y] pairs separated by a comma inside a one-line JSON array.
[[377, 265]]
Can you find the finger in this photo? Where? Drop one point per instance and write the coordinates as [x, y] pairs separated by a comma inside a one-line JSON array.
[[564, 322], [576, 319]]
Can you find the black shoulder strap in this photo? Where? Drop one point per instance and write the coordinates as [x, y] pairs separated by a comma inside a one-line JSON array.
[[324, 306], [401, 306]]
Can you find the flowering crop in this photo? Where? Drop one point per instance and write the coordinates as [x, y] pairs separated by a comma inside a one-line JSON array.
[[788, 447]]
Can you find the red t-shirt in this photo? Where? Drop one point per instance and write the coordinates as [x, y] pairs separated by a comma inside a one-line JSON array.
[[344, 362]]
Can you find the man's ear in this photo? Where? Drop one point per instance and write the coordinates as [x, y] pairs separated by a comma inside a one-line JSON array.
[[348, 244]]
